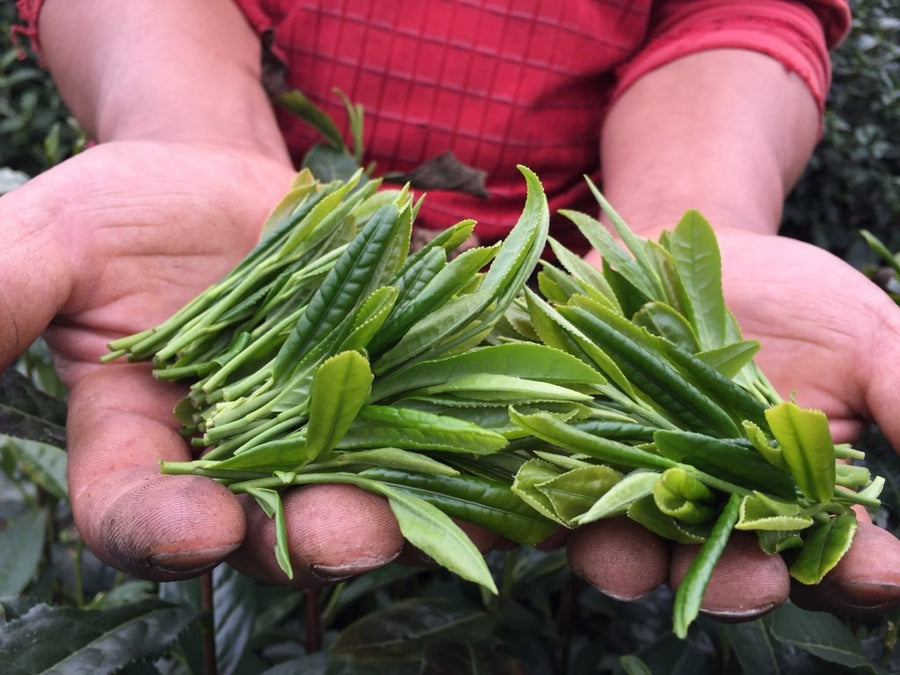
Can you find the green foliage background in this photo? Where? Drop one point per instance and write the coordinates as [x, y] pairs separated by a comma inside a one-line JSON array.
[[62, 609]]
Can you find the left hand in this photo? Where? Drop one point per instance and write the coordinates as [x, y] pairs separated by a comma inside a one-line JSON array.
[[831, 336]]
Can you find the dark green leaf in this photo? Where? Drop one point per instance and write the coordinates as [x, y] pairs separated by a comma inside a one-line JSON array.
[[753, 647], [481, 501], [298, 104], [44, 464], [727, 459], [406, 627], [27, 412], [21, 549], [444, 172], [67, 640], [234, 614], [820, 634], [559, 432]]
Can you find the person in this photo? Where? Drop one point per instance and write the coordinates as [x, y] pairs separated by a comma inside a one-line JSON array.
[[683, 104]]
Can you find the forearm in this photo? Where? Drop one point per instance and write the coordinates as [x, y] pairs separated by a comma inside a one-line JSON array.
[[178, 70], [727, 132]]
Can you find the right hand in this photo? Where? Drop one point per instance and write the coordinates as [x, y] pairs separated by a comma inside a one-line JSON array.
[[109, 243]]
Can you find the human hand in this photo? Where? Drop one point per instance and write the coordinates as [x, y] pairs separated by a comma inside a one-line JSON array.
[[110, 243], [826, 332]]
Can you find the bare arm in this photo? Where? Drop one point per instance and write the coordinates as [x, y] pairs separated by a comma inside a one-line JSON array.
[[727, 132], [179, 70]]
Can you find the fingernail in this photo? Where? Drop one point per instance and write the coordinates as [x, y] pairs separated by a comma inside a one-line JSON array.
[[624, 597], [868, 596], [186, 561], [738, 614], [336, 573]]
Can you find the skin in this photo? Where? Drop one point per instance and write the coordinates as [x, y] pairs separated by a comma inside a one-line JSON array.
[[114, 240]]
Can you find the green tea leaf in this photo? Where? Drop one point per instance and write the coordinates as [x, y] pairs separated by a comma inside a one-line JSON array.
[[436, 535], [823, 547], [297, 103], [727, 459], [370, 318], [270, 502], [645, 512], [696, 253], [806, 446], [396, 458], [690, 592], [504, 389], [777, 541], [760, 511], [353, 276], [515, 359], [392, 426], [590, 278], [648, 367], [340, 388], [730, 359], [683, 497], [479, 500], [576, 491], [530, 475], [662, 320], [557, 331], [558, 432], [633, 487]]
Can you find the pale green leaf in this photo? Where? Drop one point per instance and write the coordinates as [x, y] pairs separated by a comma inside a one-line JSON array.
[[339, 390], [696, 254], [760, 511], [806, 446], [823, 547], [616, 501]]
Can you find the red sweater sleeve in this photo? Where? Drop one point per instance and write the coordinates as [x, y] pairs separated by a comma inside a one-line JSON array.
[[28, 13], [798, 34]]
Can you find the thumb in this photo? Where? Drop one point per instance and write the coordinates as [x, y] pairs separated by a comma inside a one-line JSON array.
[[120, 425], [880, 381]]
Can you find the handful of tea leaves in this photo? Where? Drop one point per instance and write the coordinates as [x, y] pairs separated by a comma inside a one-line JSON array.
[[332, 354]]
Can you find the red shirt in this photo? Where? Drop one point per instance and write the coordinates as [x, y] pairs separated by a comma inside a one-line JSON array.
[[507, 82]]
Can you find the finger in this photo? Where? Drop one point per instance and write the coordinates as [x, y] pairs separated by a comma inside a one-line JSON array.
[[120, 425], [865, 581], [746, 582], [618, 557], [333, 531], [34, 277]]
